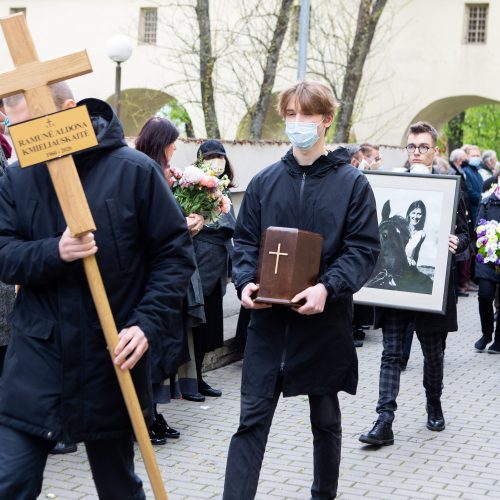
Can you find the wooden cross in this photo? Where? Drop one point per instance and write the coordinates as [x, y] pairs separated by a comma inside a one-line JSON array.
[[278, 255], [32, 78]]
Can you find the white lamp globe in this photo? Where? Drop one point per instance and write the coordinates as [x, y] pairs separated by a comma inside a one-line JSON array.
[[119, 48]]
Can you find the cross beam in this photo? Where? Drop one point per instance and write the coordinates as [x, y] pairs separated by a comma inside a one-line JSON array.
[[32, 78]]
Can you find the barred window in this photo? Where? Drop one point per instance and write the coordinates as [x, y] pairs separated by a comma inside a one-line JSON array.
[[476, 23], [148, 24]]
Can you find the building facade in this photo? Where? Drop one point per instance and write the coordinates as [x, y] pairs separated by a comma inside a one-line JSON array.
[[431, 59]]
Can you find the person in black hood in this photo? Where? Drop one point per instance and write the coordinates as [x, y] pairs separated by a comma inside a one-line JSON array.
[[307, 349], [58, 381]]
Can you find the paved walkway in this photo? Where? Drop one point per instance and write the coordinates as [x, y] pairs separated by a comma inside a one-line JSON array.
[[461, 462]]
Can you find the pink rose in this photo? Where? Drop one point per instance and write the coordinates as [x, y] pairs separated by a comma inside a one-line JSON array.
[[176, 172], [226, 204], [208, 181]]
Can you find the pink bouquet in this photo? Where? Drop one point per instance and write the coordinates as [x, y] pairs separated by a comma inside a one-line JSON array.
[[199, 191]]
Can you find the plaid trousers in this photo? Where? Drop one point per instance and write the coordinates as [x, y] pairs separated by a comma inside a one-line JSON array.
[[394, 327]]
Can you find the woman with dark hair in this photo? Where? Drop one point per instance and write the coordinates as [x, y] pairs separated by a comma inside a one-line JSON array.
[[157, 140], [415, 215], [213, 248]]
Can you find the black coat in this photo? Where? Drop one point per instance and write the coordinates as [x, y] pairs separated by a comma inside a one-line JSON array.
[[58, 380], [447, 322], [316, 353], [489, 209]]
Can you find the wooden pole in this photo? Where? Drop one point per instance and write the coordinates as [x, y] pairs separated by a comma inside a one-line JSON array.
[[31, 77], [124, 378]]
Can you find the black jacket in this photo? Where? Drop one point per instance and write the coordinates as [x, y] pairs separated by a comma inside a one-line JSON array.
[[58, 380], [315, 354]]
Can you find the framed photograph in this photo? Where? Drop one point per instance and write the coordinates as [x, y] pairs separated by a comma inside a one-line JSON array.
[[416, 213]]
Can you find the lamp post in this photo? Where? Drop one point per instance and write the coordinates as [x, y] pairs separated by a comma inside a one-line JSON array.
[[118, 49], [305, 5]]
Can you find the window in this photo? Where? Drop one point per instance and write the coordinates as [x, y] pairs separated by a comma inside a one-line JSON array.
[[475, 23], [17, 10], [148, 23]]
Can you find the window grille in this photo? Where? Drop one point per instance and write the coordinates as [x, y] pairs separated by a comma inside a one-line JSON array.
[[148, 24], [476, 23]]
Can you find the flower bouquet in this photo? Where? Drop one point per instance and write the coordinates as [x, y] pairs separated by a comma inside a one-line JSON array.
[[488, 243], [199, 191]]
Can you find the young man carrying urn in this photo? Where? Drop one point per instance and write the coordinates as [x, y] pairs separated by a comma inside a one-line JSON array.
[[308, 349]]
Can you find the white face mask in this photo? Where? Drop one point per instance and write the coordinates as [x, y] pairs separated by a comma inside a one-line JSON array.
[[418, 168], [218, 165], [364, 165]]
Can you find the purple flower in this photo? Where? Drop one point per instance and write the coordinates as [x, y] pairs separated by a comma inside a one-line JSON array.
[[480, 258]]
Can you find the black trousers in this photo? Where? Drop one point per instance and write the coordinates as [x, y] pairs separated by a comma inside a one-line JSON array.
[[394, 331], [486, 296], [247, 447], [23, 458]]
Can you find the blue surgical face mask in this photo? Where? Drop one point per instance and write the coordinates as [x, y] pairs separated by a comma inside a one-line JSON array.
[[302, 135], [475, 161]]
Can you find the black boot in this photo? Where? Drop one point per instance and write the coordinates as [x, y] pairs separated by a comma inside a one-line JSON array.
[[381, 434], [435, 417], [495, 346], [164, 430], [481, 344], [359, 336], [156, 434], [206, 390]]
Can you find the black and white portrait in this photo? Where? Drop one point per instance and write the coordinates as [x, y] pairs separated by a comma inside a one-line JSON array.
[[408, 240], [416, 213]]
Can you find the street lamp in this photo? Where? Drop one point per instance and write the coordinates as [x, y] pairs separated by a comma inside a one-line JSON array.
[[118, 49], [305, 5]]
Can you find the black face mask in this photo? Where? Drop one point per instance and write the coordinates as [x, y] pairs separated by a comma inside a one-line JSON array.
[[464, 163]]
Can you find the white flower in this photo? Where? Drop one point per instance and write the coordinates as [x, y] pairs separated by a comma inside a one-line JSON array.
[[193, 174]]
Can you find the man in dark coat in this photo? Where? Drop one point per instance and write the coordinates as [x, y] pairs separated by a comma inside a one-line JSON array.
[[58, 381], [309, 349], [473, 178], [431, 329]]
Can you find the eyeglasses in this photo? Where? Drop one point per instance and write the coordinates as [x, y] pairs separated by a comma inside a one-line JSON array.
[[422, 148]]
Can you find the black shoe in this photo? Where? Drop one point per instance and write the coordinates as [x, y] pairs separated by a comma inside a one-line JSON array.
[[62, 448], [156, 439], [481, 344], [358, 343], [435, 417], [494, 348], [196, 397], [206, 390], [358, 333], [161, 427], [381, 434]]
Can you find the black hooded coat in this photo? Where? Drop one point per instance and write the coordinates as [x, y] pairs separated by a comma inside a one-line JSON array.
[[315, 354], [58, 381]]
